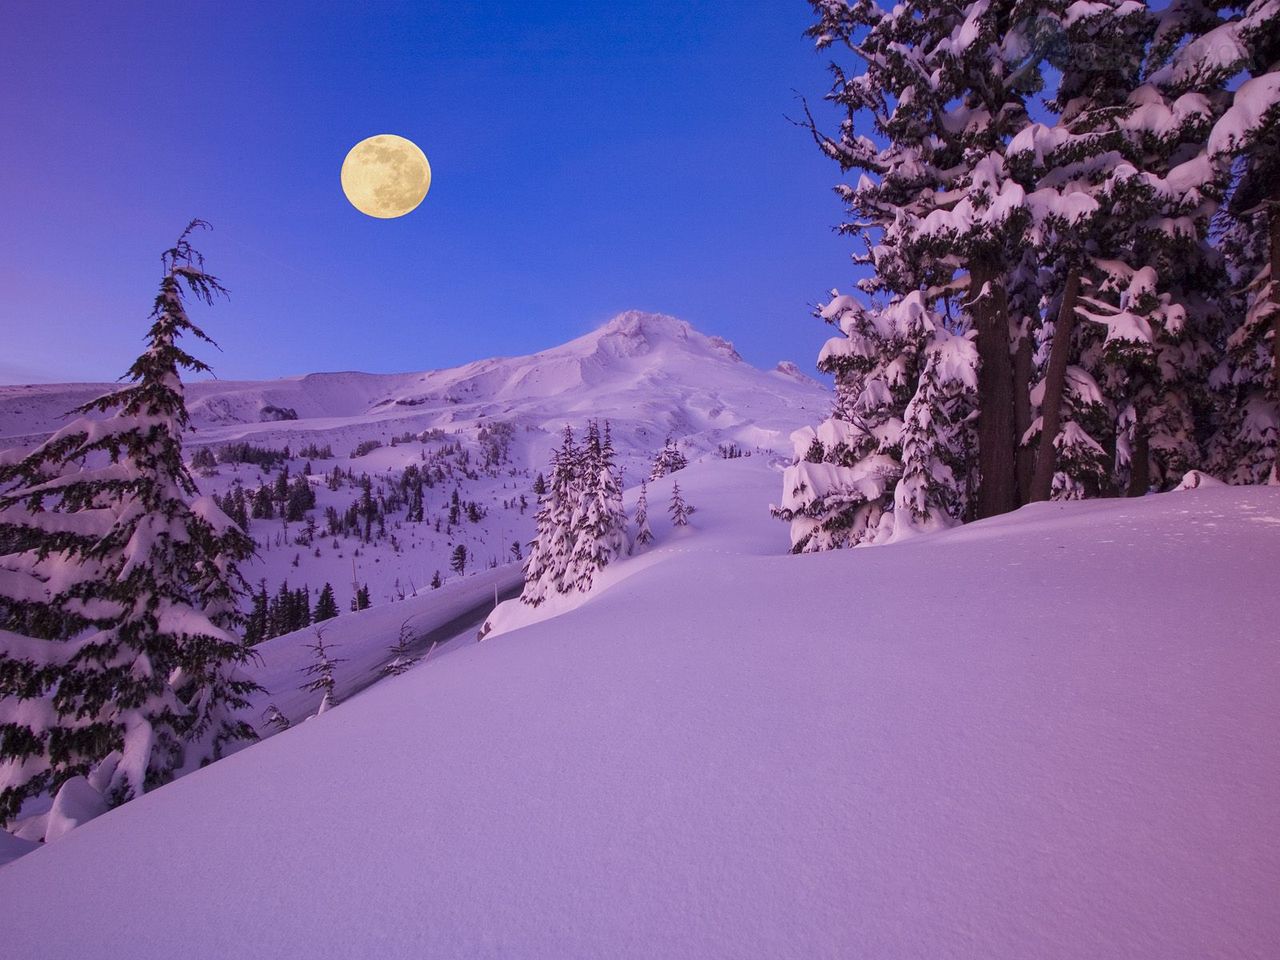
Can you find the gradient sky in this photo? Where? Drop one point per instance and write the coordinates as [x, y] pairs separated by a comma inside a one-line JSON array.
[[587, 158]]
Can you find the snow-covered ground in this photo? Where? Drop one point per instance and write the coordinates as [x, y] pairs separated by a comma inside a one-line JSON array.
[[1049, 735]]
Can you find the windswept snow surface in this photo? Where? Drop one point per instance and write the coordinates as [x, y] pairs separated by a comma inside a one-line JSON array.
[[1050, 735]]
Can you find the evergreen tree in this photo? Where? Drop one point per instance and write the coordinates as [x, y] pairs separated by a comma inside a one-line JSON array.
[[1083, 244], [947, 86], [1246, 141], [547, 568], [458, 560], [599, 522], [258, 626], [436, 581], [643, 534], [321, 672], [326, 605], [935, 439], [402, 657], [204, 461], [840, 491], [417, 510], [121, 585], [678, 509]]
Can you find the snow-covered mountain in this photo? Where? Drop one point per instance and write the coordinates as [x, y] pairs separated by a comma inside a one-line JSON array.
[[1046, 735], [487, 427], [651, 375]]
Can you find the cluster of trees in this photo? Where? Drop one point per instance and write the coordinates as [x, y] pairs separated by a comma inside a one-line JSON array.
[[287, 498], [120, 642], [290, 609], [668, 460], [581, 523], [1079, 305]]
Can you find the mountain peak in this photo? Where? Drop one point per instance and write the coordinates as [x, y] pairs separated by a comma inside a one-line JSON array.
[[635, 332]]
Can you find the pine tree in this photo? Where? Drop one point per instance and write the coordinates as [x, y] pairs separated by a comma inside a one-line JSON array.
[[402, 657], [547, 564], [932, 491], [321, 672], [1080, 201], [941, 207], [643, 534], [458, 561], [840, 491], [326, 605], [417, 510], [1246, 140], [678, 509], [257, 626], [121, 585], [436, 581], [599, 522]]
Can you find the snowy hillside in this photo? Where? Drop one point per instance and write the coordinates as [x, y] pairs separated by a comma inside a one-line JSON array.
[[1047, 735], [482, 430]]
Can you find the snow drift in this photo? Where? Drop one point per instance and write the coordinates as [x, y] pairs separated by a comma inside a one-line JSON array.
[[1047, 735]]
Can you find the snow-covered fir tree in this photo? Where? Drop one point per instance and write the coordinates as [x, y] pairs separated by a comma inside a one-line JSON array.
[[1246, 141], [841, 490], [644, 535], [946, 86], [321, 672], [119, 585], [548, 561], [599, 522], [668, 460], [936, 438], [581, 525], [678, 508], [1081, 245]]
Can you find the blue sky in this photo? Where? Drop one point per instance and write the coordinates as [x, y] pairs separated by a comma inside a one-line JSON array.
[[587, 158]]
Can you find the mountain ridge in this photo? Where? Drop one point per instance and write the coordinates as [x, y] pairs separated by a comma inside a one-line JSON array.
[[631, 350]]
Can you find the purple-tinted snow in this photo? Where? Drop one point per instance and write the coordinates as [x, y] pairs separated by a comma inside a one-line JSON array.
[[1051, 735]]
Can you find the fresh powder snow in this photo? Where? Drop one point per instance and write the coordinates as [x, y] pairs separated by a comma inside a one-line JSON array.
[[1050, 734]]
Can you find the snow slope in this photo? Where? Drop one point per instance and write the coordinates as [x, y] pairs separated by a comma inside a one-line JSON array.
[[362, 640], [1051, 735]]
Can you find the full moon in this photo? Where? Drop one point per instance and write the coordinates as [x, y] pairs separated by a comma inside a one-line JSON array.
[[386, 176]]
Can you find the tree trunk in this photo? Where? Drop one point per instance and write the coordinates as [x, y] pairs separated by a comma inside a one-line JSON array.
[[997, 478], [1139, 462], [1023, 365], [1054, 383]]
